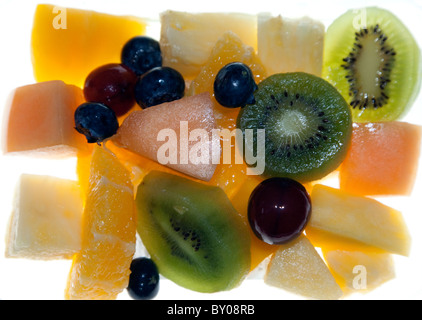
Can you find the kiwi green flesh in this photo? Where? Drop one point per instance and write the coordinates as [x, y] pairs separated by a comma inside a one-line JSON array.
[[192, 232], [307, 126], [374, 65]]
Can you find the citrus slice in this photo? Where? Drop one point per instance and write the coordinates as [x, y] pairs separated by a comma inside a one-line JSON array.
[[101, 269]]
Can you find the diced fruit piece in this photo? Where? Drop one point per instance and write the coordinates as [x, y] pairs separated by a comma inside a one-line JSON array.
[[159, 85], [68, 43], [259, 249], [180, 124], [144, 279], [46, 218], [297, 267], [234, 85], [229, 48], [141, 54], [39, 119], [113, 85], [359, 218], [192, 232], [382, 160], [95, 121], [290, 45], [101, 269], [374, 62], [187, 38], [278, 210], [359, 270]]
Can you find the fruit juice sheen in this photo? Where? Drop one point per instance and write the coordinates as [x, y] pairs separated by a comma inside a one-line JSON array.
[[29, 279]]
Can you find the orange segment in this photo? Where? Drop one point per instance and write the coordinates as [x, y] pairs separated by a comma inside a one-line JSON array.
[[69, 43], [101, 269]]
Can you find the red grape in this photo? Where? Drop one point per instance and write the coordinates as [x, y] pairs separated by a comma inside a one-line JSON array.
[[278, 210], [113, 85]]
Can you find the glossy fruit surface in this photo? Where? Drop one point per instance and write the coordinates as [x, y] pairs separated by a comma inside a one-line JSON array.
[[96, 121], [113, 85], [159, 85], [141, 54], [278, 210], [234, 85], [144, 279]]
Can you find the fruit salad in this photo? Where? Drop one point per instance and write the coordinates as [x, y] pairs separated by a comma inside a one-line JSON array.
[[175, 152]]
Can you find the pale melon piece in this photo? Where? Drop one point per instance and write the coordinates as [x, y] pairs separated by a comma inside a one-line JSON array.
[[359, 218], [178, 134], [297, 267], [39, 120], [46, 218], [360, 270], [290, 45], [187, 38]]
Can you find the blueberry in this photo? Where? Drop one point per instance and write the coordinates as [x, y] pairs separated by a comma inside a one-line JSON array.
[[141, 54], [234, 85], [159, 85], [144, 279], [96, 121]]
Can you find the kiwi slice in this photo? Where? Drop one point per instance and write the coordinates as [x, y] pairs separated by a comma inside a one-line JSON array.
[[307, 126], [374, 61], [192, 232]]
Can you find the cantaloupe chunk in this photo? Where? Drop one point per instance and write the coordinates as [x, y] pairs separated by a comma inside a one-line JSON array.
[[358, 218], [290, 45], [383, 159], [298, 268], [177, 134], [39, 118], [188, 38], [67, 43], [46, 218]]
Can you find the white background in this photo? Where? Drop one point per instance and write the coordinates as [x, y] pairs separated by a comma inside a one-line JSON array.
[[27, 279]]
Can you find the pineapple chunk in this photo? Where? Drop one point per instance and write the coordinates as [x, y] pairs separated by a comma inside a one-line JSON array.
[[297, 267], [359, 218], [187, 38], [46, 219], [289, 45]]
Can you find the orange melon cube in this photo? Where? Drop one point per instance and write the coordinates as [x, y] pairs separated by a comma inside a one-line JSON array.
[[382, 159], [67, 44], [40, 119]]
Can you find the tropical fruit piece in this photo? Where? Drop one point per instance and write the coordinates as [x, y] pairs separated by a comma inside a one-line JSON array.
[[290, 45], [185, 126], [69, 43], [101, 269], [192, 232], [297, 267], [374, 61], [39, 120], [382, 159], [46, 219], [187, 38], [358, 218], [228, 48]]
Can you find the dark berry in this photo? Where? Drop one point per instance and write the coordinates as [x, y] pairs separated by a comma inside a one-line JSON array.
[[96, 121], [278, 210], [111, 84], [141, 54], [159, 85], [144, 279], [234, 85]]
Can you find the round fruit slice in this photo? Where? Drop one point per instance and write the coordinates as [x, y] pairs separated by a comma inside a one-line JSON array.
[[307, 126], [192, 232], [373, 60]]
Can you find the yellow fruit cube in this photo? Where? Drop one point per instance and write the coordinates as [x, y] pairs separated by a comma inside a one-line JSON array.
[[359, 218], [298, 268], [46, 218], [67, 44]]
